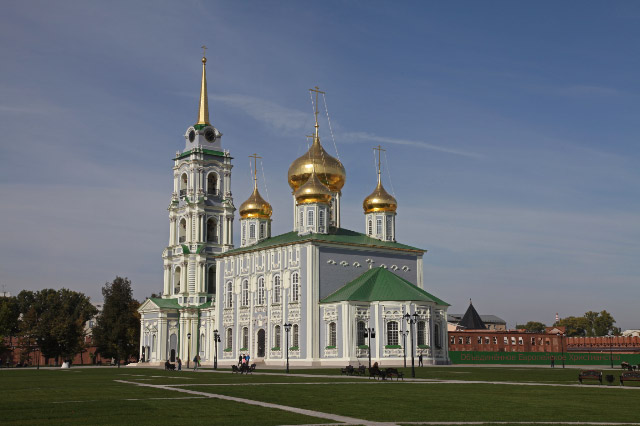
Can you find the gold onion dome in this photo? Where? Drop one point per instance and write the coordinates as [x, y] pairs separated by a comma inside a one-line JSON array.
[[255, 207], [379, 200], [313, 191], [330, 170]]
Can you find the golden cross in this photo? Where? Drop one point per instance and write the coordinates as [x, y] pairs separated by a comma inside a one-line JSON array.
[[255, 169], [204, 50], [317, 90], [379, 149]]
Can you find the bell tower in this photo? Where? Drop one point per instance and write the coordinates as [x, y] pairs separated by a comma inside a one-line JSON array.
[[201, 210]]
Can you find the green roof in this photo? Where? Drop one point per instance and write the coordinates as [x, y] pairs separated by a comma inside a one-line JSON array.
[[380, 284], [337, 236], [173, 303], [206, 151]]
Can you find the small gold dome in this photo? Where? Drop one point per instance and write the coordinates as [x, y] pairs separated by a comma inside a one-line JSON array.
[[330, 170], [255, 207], [379, 200], [313, 191]]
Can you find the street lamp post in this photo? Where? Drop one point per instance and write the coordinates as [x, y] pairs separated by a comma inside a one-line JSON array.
[[370, 333], [188, 349], [404, 346], [412, 319], [611, 349], [287, 329], [216, 339], [562, 347]]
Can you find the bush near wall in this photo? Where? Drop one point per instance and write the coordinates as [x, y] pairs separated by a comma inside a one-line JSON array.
[[575, 358]]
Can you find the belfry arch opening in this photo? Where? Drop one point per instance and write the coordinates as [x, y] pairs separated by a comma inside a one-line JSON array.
[[212, 184], [183, 185], [182, 231], [211, 280], [212, 231], [176, 280]]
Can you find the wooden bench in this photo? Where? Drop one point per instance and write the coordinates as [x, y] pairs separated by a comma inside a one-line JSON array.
[[376, 372], [590, 374], [360, 371], [348, 370], [391, 372], [629, 376]]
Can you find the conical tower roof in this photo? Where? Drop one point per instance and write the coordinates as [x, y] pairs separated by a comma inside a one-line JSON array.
[[471, 319]]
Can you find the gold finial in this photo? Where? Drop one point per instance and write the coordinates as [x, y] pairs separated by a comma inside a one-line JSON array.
[[317, 90], [203, 109], [379, 149], [255, 170]]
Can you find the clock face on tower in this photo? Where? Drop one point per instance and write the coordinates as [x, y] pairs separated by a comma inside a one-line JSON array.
[[192, 136], [210, 134]]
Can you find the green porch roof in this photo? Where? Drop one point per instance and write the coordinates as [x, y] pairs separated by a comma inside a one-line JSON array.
[[173, 303], [206, 151], [337, 236], [380, 284]]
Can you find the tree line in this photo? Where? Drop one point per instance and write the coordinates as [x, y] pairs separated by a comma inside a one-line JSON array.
[[53, 322], [591, 324]]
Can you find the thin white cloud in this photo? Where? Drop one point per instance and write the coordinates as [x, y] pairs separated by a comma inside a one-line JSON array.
[[357, 137]]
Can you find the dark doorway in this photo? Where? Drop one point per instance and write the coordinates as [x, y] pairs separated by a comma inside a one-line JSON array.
[[261, 339], [173, 355], [143, 353]]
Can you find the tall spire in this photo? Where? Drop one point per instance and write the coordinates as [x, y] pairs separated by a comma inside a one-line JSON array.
[[203, 109], [317, 90], [379, 149]]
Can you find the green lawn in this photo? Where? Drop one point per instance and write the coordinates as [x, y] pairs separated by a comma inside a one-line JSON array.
[[92, 396]]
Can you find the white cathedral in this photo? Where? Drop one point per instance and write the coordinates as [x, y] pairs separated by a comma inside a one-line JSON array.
[[318, 290]]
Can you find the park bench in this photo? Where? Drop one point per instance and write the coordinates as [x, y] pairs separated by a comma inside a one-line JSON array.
[[590, 374], [169, 366], [629, 376], [348, 370], [359, 371], [391, 372], [375, 372]]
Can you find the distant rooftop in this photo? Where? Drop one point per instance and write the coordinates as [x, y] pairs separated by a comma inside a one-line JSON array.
[[487, 319]]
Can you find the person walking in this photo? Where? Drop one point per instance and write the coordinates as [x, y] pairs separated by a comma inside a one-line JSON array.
[[195, 362], [420, 360], [179, 364], [240, 358], [553, 362]]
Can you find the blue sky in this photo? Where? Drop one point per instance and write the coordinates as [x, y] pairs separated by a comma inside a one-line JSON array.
[[511, 132]]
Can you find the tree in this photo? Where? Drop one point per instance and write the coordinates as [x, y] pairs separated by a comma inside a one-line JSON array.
[[532, 327], [9, 324], [591, 324], [117, 330], [53, 320]]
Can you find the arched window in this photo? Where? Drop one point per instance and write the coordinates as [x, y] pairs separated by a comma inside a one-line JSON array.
[[211, 280], [295, 342], [252, 231], [261, 291], [229, 338], [295, 287], [276, 337], [436, 332], [245, 338], [310, 218], [153, 345], [301, 219], [389, 228], [421, 333], [183, 185], [361, 340], [176, 280], [212, 184], [245, 293], [229, 295], [379, 226], [321, 218], [332, 334], [392, 333], [262, 235], [182, 231], [202, 343], [276, 289], [212, 231], [370, 227]]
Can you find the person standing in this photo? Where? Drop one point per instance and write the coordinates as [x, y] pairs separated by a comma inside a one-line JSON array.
[[420, 360], [179, 364], [240, 358], [195, 363], [553, 362]]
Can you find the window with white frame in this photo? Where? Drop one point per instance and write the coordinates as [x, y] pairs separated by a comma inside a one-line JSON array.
[[276, 289], [378, 226], [252, 230], [321, 218], [202, 344], [229, 295], [276, 337], [389, 227], [295, 287], [261, 291], [310, 218], [436, 332], [370, 227], [244, 231], [392, 333], [295, 342], [229, 338], [245, 338], [262, 230], [301, 219], [332, 334], [360, 331], [245, 293], [421, 332]]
